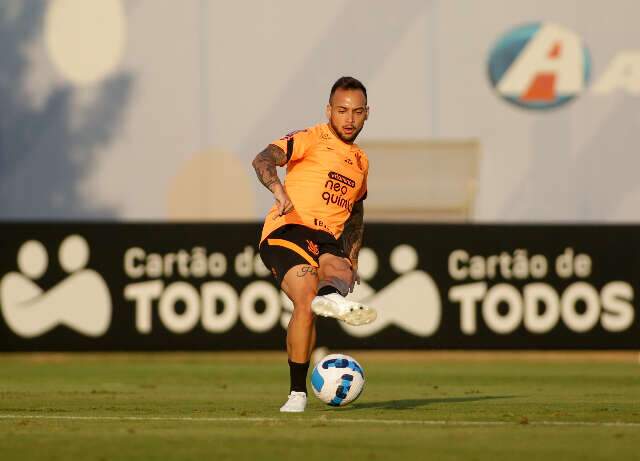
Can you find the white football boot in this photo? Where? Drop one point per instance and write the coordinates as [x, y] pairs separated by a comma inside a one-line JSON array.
[[296, 403], [336, 306]]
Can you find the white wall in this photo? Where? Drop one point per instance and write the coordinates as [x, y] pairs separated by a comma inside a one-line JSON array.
[[199, 89]]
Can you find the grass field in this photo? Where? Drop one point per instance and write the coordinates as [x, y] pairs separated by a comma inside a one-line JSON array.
[[440, 406]]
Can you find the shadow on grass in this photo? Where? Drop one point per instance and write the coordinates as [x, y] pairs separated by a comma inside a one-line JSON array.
[[410, 404]]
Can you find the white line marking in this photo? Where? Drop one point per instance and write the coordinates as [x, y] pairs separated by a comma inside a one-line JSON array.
[[323, 419]]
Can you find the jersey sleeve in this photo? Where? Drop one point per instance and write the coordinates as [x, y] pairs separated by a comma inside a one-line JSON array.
[[295, 144]]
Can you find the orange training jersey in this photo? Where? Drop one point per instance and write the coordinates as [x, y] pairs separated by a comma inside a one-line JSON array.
[[325, 177]]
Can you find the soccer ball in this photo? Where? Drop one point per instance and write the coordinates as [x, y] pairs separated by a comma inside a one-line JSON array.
[[337, 380]]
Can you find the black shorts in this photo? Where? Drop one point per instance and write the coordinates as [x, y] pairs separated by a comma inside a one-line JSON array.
[[294, 244]]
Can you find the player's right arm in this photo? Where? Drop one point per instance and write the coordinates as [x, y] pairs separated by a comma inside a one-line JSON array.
[[265, 165]]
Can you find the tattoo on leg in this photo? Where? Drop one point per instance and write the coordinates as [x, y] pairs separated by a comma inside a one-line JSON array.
[[304, 270]]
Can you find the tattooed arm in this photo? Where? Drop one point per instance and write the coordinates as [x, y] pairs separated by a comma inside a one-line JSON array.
[[265, 165], [352, 237]]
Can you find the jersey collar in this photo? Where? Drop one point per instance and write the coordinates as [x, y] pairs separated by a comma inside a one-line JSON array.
[[336, 139]]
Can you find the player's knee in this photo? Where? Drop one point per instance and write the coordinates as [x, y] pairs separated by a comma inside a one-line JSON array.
[[303, 313], [344, 273], [302, 301], [342, 267], [339, 268], [337, 279]]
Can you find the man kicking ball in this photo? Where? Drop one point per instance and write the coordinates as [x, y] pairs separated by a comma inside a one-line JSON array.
[[313, 233]]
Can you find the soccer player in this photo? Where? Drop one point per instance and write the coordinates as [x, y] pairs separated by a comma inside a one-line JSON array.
[[313, 233]]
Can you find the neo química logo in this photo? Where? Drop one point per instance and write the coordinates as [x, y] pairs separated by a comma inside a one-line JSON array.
[[539, 66]]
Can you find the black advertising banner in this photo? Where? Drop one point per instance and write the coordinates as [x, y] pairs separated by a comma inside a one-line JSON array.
[[101, 286]]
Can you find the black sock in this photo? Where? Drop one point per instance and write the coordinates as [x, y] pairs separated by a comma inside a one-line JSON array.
[[298, 376], [327, 289]]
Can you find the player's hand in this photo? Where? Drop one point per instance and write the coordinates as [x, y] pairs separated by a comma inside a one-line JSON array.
[[355, 277], [283, 202]]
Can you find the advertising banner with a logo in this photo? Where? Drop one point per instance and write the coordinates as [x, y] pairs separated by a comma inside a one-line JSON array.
[[203, 287]]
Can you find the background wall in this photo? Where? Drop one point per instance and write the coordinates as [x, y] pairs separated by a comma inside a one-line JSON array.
[[140, 109]]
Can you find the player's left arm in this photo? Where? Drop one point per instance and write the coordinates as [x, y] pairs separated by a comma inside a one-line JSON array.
[[352, 238]]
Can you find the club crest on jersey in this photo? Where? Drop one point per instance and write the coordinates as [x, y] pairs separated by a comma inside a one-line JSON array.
[[359, 160]]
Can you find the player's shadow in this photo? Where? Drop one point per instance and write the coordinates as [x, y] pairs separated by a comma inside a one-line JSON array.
[[411, 404]]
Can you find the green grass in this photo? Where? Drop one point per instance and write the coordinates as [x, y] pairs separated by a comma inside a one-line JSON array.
[[225, 406]]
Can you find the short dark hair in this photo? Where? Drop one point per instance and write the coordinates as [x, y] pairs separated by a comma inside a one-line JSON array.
[[348, 83]]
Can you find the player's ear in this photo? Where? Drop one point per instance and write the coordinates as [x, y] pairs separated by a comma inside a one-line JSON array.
[[366, 113], [328, 111]]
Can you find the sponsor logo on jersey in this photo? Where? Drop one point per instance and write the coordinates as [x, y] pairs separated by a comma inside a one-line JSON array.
[[336, 189], [343, 179]]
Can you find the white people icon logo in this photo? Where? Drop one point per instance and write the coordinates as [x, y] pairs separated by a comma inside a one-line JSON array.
[[81, 301], [411, 302]]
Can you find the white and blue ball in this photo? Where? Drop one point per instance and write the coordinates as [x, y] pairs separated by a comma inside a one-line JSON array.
[[337, 380]]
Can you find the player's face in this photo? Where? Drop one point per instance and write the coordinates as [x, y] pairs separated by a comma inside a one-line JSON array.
[[347, 112]]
